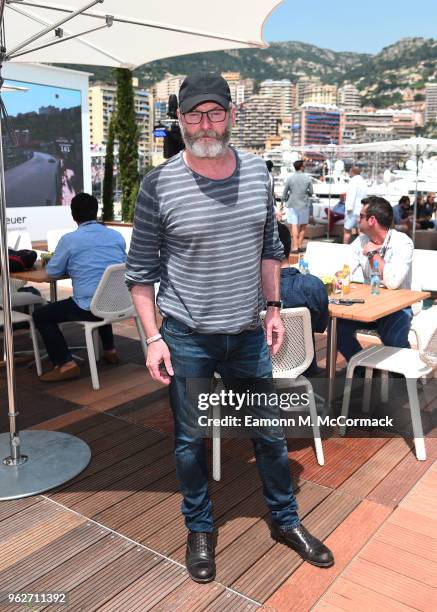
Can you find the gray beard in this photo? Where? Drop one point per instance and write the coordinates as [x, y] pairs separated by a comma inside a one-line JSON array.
[[206, 149]]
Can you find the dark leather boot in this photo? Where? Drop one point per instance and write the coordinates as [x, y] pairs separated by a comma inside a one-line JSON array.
[[307, 546], [199, 557]]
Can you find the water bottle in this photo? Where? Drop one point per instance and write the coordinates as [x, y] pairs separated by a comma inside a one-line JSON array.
[[305, 269], [375, 279]]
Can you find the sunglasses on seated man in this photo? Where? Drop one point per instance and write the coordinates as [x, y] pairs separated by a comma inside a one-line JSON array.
[[216, 115]]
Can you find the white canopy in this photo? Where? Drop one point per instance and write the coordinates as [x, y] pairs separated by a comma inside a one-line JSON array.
[[417, 147], [414, 146], [141, 31]]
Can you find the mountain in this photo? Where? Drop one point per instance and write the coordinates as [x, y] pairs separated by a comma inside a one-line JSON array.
[[281, 60], [408, 63]]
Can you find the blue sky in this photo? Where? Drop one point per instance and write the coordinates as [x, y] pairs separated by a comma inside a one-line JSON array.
[[352, 25], [37, 96]]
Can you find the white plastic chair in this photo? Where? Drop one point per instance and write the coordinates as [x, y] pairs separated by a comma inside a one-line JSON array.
[[21, 298], [125, 231], [412, 363], [293, 358], [20, 317], [54, 236], [112, 302], [19, 239]]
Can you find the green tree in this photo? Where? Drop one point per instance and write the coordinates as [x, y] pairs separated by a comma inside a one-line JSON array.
[[108, 180], [127, 133]]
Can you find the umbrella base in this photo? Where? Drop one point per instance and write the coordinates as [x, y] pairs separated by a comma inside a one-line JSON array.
[[327, 239], [52, 458]]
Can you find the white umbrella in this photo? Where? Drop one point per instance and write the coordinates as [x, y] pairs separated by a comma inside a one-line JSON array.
[[140, 31], [107, 33]]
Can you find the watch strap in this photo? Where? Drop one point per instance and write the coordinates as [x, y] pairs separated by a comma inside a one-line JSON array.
[[275, 303]]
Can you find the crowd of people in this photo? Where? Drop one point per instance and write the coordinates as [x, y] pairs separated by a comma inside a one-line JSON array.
[[426, 207], [296, 207]]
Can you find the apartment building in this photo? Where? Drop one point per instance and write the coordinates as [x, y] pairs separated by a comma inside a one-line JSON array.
[[431, 102], [316, 125], [348, 96], [102, 98], [283, 92], [257, 119]]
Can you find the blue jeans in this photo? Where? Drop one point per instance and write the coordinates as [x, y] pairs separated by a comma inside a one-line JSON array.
[[392, 329], [239, 356], [46, 321]]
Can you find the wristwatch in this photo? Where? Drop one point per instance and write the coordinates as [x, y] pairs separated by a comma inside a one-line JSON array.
[[276, 304], [371, 254]]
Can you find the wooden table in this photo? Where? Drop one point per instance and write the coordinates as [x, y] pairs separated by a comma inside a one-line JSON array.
[[375, 307], [39, 275]]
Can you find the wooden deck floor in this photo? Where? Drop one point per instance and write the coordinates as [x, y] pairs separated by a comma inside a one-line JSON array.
[[114, 538]]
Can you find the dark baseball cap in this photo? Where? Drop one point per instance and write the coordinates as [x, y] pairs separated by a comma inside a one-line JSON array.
[[204, 88]]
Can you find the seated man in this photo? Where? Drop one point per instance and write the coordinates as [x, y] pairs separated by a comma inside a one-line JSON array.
[[83, 255], [402, 213], [303, 290], [424, 212], [393, 251]]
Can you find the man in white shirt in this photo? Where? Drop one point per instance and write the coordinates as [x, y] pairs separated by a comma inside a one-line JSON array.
[[393, 251], [357, 191]]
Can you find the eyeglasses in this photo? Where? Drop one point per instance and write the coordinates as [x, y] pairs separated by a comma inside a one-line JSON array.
[[363, 216], [216, 115]]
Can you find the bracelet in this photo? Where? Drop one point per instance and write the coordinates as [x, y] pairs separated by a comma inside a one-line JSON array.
[[153, 339]]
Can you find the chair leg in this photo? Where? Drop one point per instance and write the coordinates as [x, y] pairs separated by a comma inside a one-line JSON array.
[[35, 347], [142, 336], [92, 357], [384, 386], [367, 390], [216, 447], [416, 419], [315, 425], [96, 344], [347, 394]]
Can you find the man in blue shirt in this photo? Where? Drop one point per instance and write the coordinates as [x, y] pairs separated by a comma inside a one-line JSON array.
[[83, 255]]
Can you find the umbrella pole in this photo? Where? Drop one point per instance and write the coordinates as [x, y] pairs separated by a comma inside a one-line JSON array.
[[15, 457], [415, 198], [52, 457]]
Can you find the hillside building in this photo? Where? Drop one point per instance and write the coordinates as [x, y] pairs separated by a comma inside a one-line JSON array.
[[102, 98], [348, 96], [431, 102]]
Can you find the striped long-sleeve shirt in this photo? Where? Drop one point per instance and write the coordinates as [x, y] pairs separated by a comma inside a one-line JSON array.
[[204, 240]]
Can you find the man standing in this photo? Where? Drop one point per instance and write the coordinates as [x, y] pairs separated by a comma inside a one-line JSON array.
[[297, 193], [356, 192], [84, 255], [204, 227], [393, 251]]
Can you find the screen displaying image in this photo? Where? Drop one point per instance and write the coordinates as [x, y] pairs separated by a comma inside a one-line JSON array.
[[42, 144]]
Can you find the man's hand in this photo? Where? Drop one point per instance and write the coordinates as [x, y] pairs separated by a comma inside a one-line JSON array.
[[159, 363], [274, 328]]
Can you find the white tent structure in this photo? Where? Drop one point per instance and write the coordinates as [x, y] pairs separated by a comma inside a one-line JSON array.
[[106, 33]]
